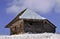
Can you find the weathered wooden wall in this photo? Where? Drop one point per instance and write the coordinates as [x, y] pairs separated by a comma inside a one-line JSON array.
[[31, 26], [17, 27], [38, 26]]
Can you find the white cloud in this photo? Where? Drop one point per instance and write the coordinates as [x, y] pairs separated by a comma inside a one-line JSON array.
[[57, 7], [14, 9], [40, 5], [44, 6]]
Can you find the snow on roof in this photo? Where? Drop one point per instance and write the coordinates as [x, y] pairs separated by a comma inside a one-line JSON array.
[[29, 14]]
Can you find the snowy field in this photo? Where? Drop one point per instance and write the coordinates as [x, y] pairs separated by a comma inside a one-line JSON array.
[[32, 36]]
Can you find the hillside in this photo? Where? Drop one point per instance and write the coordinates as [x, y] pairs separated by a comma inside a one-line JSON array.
[[31, 36]]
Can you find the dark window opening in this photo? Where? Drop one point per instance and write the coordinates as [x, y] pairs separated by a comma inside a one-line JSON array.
[[30, 23]]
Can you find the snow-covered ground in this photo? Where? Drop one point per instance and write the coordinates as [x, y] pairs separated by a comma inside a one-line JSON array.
[[32, 36]]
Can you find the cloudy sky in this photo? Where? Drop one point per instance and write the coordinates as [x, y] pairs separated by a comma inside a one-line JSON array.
[[49, 9]]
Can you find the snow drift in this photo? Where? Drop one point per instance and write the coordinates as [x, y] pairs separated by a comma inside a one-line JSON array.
[[31, 36]]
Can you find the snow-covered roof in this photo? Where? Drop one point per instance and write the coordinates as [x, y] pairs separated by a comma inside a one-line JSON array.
[[30, 14]]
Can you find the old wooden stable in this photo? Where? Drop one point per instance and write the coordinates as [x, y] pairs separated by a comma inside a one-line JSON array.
[[30, 23]]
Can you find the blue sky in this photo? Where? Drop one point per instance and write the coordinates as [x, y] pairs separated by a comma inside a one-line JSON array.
[[49, 9]]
